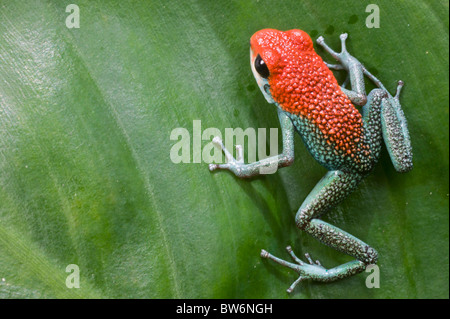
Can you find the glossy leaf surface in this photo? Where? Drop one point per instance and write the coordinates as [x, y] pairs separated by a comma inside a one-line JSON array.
[[86, 177]]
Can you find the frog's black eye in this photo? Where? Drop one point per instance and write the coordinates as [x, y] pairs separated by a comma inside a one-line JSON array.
[[261, 67]]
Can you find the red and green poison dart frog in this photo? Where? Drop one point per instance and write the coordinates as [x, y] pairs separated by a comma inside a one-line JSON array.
[[310, 101]]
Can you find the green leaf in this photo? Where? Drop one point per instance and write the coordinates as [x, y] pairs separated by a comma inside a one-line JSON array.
[[86, 177]]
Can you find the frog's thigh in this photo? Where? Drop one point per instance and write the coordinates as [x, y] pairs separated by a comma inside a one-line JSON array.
[[332, 189], [329, 191], [395, 134]]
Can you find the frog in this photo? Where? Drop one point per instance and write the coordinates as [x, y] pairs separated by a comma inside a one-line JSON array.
[[344, 140]]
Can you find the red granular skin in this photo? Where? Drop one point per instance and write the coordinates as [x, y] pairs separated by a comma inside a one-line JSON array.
[[302, 84]]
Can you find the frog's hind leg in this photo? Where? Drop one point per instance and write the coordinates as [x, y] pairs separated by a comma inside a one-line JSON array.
[[384, 119], [395, 132], [393, 124], [330, 190]]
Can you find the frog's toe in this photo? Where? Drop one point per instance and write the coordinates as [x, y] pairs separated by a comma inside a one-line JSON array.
[[305, 270], [264, 253], [213, 167], [294, 284], [218, 142], [239, 154], [293, 256], [400, 84], [299, 261], [334, 66], [311, 262], [343, 36]]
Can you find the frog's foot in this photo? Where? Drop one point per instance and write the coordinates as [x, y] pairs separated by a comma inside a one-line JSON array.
[[346, 60], [231, 161], [343, 57], [321, 41], [355, 70], [235, 165], [314, 270]]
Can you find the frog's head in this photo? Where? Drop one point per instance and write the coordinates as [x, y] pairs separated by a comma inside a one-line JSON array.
[[271, 51]]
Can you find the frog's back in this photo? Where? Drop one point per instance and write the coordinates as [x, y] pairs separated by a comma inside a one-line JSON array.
[[329, 124], [303, 86]]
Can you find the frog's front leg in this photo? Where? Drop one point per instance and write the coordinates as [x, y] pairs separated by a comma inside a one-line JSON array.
[[332, 189], [264, 166], [355, 70]]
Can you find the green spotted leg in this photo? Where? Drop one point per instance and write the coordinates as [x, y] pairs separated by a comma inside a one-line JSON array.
[[265, 166], [331, 189], [395, 132]]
